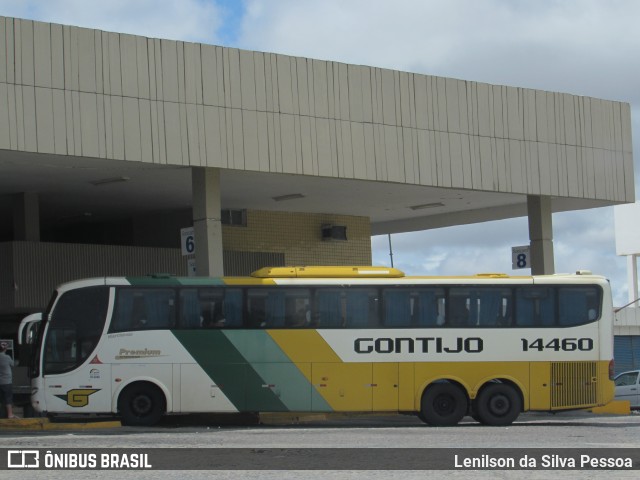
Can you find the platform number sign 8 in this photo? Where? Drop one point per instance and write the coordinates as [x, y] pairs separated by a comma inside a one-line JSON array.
[[521, 260], [520, 257]]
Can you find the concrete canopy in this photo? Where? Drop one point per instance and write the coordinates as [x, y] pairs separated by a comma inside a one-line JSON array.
[[409, 151], [67, 193]]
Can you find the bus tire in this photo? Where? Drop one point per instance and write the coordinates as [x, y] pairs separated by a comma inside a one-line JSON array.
[[498, 404], [443, 404], [141, 404]]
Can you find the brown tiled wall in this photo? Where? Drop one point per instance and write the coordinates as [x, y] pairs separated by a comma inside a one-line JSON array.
[[298, 235]]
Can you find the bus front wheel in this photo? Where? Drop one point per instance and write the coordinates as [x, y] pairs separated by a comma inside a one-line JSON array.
[[443, 404], [498, 404], [141, 404]]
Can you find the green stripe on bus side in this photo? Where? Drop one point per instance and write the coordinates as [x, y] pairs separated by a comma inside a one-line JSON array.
[[277, 371], [228, 368]]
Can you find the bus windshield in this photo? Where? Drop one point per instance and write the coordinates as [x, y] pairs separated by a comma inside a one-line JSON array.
[[75, 328]]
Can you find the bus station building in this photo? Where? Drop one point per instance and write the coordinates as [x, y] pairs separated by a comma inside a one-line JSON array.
[[111, 144]]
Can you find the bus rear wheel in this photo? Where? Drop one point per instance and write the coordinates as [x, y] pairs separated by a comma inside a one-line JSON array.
[[443, 405], [498, 404], [141, 404]]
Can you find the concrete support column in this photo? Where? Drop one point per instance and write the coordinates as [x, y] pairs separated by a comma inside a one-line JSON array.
[[26, 217], [206, 221], [540, 235], [632, 278]]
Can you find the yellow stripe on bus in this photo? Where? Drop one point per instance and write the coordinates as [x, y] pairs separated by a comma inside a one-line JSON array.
[[304, 346]]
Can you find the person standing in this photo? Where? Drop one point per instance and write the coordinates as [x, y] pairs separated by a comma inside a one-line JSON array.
[[6, 379]]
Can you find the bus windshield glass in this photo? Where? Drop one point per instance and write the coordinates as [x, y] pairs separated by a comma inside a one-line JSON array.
[[75, 328]]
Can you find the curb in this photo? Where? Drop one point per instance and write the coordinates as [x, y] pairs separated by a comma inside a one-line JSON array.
[[290, 418], [37, 424], [617, 407]]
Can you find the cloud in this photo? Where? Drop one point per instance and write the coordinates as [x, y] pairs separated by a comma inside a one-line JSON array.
[[543, 44]]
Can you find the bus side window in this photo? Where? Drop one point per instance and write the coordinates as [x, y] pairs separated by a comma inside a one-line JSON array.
[[577, 305], [458, 310], [123, 317], [232, 307], [397, 307], [190, 314], [361, 308], [430, 308], [276, 310], [160, 305], [328, 308], [144, 309], [535, 307], [493, 307], [256, 308]]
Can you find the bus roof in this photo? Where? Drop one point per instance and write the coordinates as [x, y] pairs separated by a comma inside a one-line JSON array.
[[320, 274], [328, 272]]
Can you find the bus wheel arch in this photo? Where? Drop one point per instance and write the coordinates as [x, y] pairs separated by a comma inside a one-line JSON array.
[[444, 403], [498, 403], [141, 403]]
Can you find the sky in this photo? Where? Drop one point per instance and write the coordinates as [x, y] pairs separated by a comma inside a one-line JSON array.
[[583, 47]]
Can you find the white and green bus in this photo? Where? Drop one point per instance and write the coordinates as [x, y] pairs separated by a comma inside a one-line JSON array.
[[326, 339]]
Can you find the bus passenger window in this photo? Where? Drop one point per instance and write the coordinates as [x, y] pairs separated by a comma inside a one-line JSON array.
[[231, 308], [278, 308], [190, 314], [578, 305], [361, 307], [397, 307], [328, 308], [413, 307], [458, 313], [535, 307], [429, 308], [256, 304], [210, 308], [144, 309]]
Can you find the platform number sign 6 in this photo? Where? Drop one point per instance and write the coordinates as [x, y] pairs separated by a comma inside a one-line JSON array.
[[520, 257], [187, 241]]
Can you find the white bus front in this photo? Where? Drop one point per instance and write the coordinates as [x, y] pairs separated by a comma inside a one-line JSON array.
[[67, 374]]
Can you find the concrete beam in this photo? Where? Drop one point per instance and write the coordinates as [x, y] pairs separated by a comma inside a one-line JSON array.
[[207, 224], [26, 217], [540, 235]]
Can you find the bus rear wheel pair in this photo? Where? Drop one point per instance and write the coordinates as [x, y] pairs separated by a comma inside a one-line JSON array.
[[445, 404]]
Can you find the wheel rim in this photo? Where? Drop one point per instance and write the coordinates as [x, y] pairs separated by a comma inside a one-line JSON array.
[[499, 405], [444, 404], [141, 405]]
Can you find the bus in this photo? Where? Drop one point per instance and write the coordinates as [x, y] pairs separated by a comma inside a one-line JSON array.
[[326, 339]]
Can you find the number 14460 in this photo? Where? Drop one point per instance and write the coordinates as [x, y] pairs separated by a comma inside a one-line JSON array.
[[558, 344]]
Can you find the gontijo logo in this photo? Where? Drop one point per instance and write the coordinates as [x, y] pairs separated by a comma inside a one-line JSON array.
[[23, 459], [419, 345], [78, 397]]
